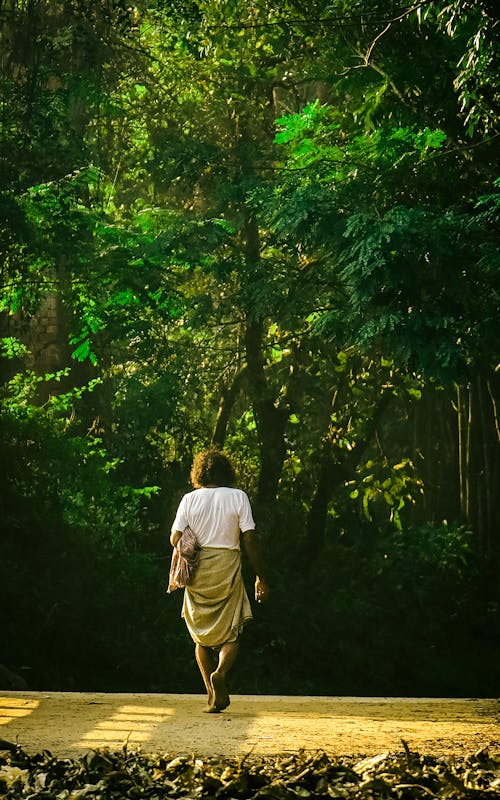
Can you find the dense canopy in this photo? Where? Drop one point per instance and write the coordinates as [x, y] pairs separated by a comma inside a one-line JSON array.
[[271, 228]]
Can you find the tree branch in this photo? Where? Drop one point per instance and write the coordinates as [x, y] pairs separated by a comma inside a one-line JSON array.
[[226, 404]]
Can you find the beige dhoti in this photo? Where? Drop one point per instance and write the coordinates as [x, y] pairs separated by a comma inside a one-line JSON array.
[[216, 605]]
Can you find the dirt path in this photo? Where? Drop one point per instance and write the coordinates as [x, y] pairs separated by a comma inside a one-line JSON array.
[[70, 723]]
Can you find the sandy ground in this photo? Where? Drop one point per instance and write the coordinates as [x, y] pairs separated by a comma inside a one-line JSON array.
[[68, 724]]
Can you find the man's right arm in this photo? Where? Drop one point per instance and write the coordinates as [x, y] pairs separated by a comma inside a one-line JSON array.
[[253, 550]]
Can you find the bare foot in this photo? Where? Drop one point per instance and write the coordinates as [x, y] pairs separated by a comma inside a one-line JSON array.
[[221, 695], [211, 709]]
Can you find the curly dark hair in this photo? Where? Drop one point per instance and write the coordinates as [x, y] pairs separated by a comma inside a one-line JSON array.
[[212, 467]]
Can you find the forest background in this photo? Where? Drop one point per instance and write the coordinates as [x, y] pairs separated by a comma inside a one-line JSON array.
[[272, 228]]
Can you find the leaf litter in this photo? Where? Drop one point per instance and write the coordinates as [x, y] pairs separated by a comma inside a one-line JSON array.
[[103, 774]]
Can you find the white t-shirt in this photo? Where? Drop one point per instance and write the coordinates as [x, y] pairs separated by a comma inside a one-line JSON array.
[[216, 515]]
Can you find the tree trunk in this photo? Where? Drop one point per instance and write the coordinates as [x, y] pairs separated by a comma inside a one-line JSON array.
[[228, 398], [438, 430], [270, 420], [334, 471], [479, 464], [332, 474]]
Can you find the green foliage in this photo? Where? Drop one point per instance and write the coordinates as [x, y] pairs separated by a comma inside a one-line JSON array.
[[43, 442], [414, 278], [410, 277], [11, 347], [70, 538], [276, 228], [400, 606], [394, 487], [474, 26]]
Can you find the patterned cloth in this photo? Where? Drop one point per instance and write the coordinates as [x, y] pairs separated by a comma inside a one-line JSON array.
[[185, 559], [216, 605]]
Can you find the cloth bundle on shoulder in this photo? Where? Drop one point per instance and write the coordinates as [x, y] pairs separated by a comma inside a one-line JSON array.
[[185, 559]]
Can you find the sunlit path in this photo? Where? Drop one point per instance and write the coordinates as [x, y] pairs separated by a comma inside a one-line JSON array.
[[69, 723]]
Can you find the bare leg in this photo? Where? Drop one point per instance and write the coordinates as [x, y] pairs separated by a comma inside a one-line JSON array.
[[206, 662], [227, 657]]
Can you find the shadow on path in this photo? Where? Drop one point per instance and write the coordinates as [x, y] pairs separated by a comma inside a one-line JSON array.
[[70, 723]]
